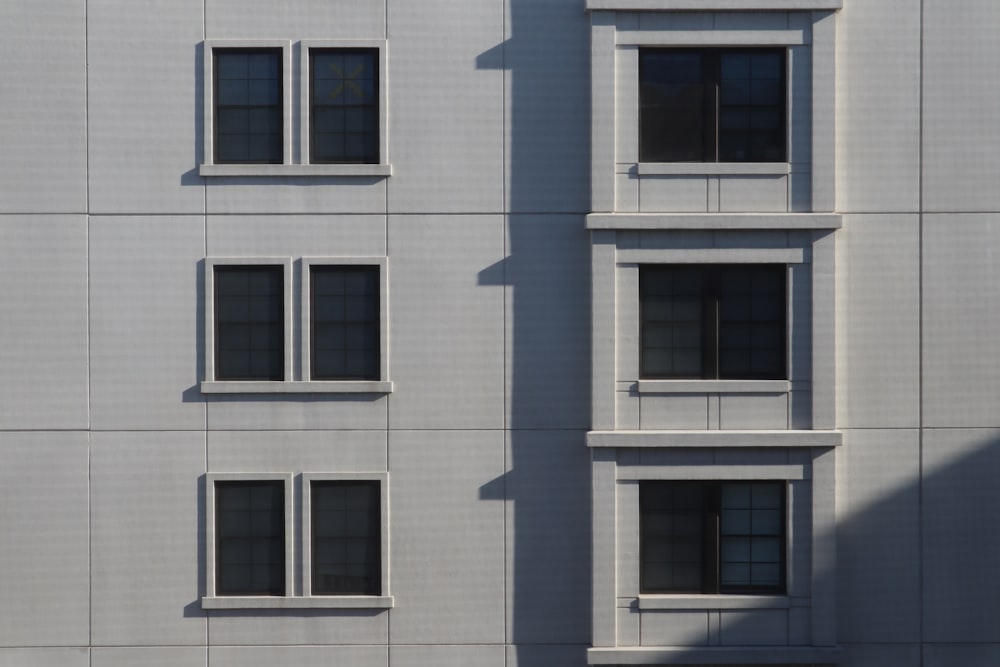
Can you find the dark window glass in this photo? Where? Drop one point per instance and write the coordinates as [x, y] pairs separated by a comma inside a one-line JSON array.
[[249, 323], [712, 537], [720, 321], [712, 105], [345, 322], [248, 106], [250, 538], [344, 113], [346, 538]]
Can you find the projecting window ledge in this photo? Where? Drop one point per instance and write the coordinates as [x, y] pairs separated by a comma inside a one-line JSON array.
[[312, 387], [288, 170], [789, 438], [698, 602], [678, 221], [305, 602], [712, 168], [713, 386], [715, 655], [705, 5]]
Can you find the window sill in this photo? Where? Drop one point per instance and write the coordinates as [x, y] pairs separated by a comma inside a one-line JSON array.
[[713, 655], [790, 438], [366, 170], [696, 602], [675, 221], [713, 386], [313, 387], [712, 168], [704, 5], [305, 602]]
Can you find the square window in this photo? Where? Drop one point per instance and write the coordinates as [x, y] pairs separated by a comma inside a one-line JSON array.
[[248, 109], [249, 322], [345, 521], [344, 93], [724, 321], [250, 540], [712, 105], [712, 537], [345, 322]]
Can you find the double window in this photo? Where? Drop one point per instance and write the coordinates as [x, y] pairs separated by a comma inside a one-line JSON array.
[[344, 535], [712, 105], [343, 325], [712, 537], [716, 321], [334, 123]]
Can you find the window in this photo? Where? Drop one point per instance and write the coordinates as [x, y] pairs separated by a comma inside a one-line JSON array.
[[249, 321], [344, 533], [725, 321], [346, 537], [326, 116], [250, 538], [343, 106], [248, 106], [337, 343], [345, 322], [712, 105], [712, 537]]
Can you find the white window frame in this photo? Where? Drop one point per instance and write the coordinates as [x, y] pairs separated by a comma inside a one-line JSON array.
[[621, 461], [384, 599], [296, 376], [379, 385], [209, 167], [381, 168], [213, 601], [620, 27], [295, 115], [293, 599]]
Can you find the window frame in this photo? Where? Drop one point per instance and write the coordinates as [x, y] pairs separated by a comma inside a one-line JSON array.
[[711, 329], [211, 348], [294, 565], [297, 356], [211, 546], [382, 264], [295, 115], [209, 115], [712, 82], [305, 101], [712, 538], [382, 478]]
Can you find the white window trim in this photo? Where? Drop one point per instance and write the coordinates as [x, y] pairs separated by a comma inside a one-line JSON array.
[[615, 258], [286, 290], [382, 384], [295, 117], [616, 34], [210, 385], [209, 167], [615, 529], [385, 599], [290, 600], [213, 601], [382, 168]]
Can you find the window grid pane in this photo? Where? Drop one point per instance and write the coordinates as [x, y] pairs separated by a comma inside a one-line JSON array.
[[713, 322], [346, 538], [345, 322], [712, 105], [344, 106], [248, 106], [712, 537], [249, 323], [250, 538]]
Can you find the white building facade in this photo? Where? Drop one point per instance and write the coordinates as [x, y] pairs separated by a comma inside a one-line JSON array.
[[499, 333]]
